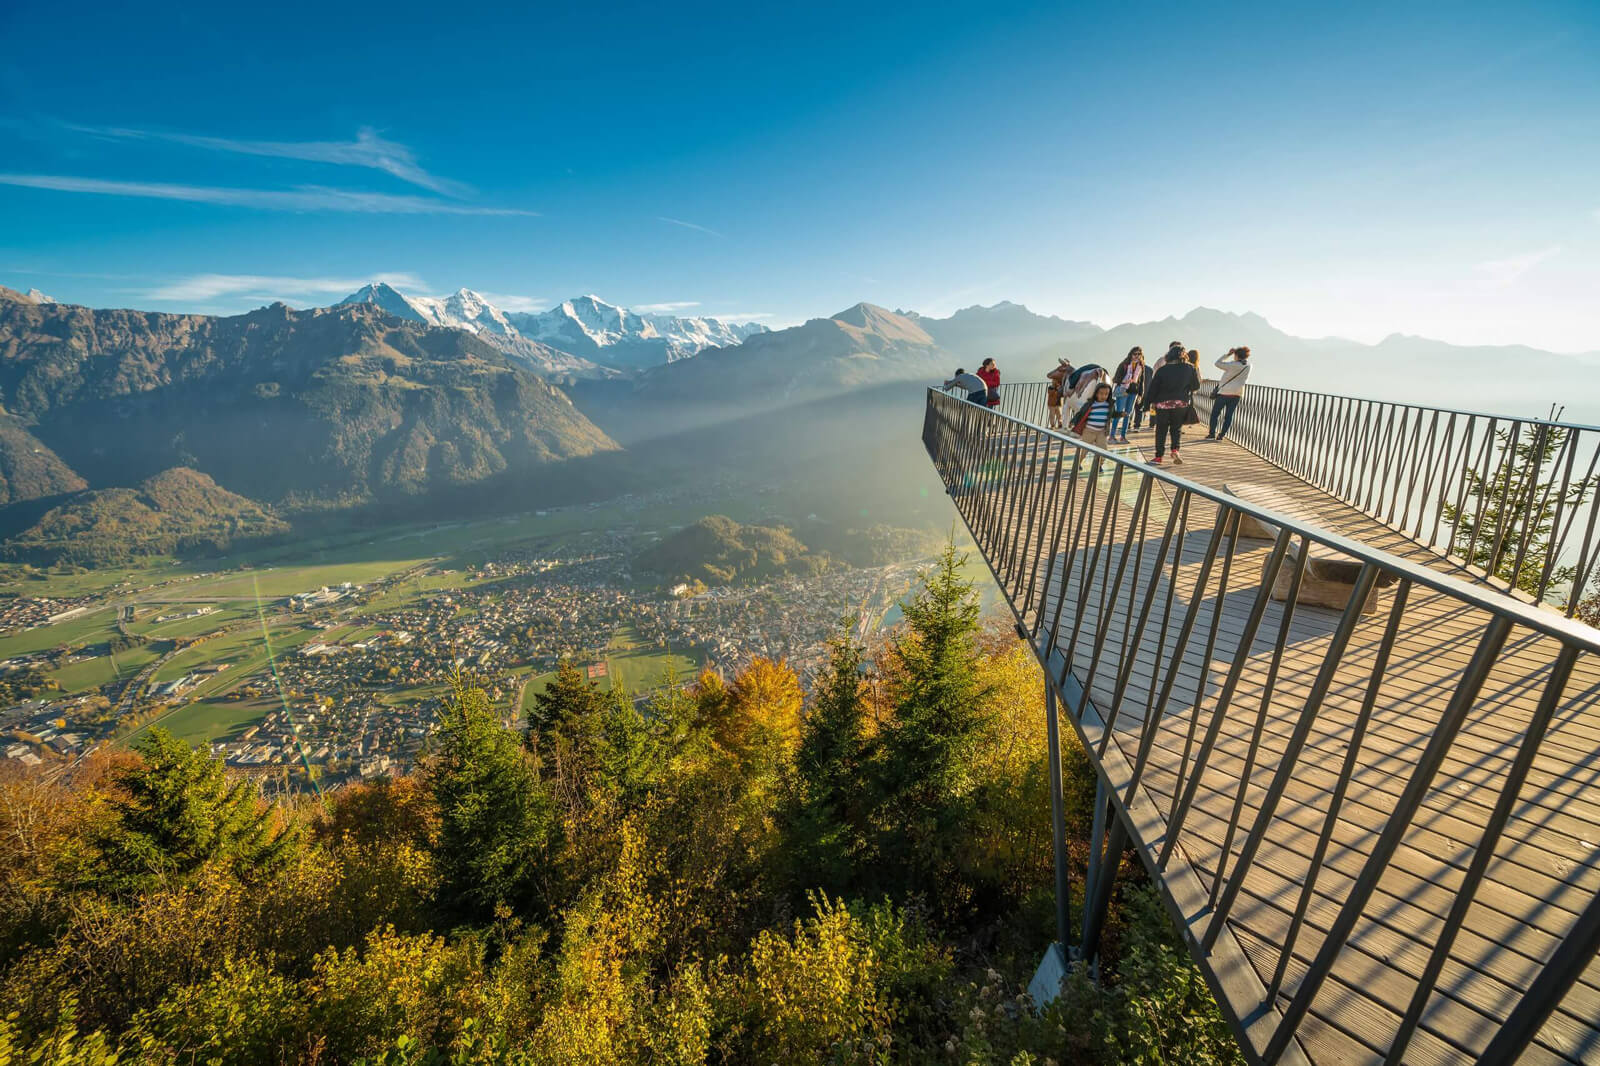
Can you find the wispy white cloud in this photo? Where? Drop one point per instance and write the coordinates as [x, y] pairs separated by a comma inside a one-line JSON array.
[[687, 225], [506, 301], [670, 308], [367, 150], [205, 288], [1508, 271], [303, 198]]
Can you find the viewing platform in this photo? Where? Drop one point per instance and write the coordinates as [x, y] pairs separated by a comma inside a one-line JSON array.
[[1328, 682]]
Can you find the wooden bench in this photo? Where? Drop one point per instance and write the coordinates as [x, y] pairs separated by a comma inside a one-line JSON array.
[[1329, 578]]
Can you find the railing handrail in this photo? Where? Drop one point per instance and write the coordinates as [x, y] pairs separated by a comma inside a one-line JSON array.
[[1539, 619], [1582, 427]]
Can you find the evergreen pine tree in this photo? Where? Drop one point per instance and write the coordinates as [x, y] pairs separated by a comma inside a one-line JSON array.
[[177, 811], [1518, 501], [827, 823], [569, 698], [928, 749], [495, 819]]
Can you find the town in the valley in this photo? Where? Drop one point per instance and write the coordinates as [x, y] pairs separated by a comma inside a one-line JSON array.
[[345, 680]]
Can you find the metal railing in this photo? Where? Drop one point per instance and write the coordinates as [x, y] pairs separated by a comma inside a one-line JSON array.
[[1515, 499], [1370, 820]]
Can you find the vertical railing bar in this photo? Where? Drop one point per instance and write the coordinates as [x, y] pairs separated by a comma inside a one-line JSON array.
[[1175, 513], [1042, 513], [1446, 458], [1530, 530], [1086, 572], [1428, 470], [996, 470], [1333, 452], [1219, 605], [1041, 475], [1549, 988], [1059, 509], [1464, 477], [1347, 771], [1386, 420], [1020, 490], [1394, 828], [1185, 631], [983, 445], [1027, 492], [1258, 611], [1107, 591], [1011, 471], [1146, 491], [1391, 447], [1514, 505], [1262, 710], [1141, 506], [1067, 560], [1467, 892], [1583, 563], [1297, 740], [1485, 487], [1150, 720], [1558, 532], [1411, 453]]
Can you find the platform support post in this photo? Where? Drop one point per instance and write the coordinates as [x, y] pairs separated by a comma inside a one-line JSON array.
[[1058, 822]]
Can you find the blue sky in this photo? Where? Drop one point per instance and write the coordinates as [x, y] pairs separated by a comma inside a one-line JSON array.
[[1353, 169]]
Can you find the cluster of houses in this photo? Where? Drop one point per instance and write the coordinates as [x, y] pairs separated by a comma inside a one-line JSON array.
[[26, 612]]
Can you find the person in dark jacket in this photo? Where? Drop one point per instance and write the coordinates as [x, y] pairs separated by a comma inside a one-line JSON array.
[[1168, 397], [977, 389]]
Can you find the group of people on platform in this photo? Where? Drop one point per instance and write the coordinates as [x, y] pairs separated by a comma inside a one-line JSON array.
[[1104, 407]]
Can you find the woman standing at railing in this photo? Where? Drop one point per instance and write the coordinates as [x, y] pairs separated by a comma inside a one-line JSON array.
[[1235, 367], [990, 373], [1169, 396], [1128, 388]]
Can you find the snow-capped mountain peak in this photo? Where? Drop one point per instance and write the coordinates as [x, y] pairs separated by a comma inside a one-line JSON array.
[[386, 297], [584, 331], [628, 339]]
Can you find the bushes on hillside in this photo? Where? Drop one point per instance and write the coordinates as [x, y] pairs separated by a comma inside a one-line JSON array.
[[737, 873]]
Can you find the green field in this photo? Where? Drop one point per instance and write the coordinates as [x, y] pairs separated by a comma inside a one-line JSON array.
[[92, 628], [178, 628], [208, 720], [636, 666], [244, 651]]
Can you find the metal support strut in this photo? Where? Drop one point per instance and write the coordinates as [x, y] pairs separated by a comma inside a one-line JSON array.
[[1058, 822]]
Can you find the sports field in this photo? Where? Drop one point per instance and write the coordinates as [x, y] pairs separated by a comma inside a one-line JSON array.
[[637, 666]]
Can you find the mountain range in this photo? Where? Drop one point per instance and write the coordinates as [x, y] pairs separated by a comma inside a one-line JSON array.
[[583, 337], [295, 409], [288, 413]]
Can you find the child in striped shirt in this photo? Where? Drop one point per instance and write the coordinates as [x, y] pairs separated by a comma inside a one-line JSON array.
[[1094, 418]]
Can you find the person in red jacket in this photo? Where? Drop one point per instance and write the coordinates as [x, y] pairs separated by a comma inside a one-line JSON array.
[[991, 377]]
